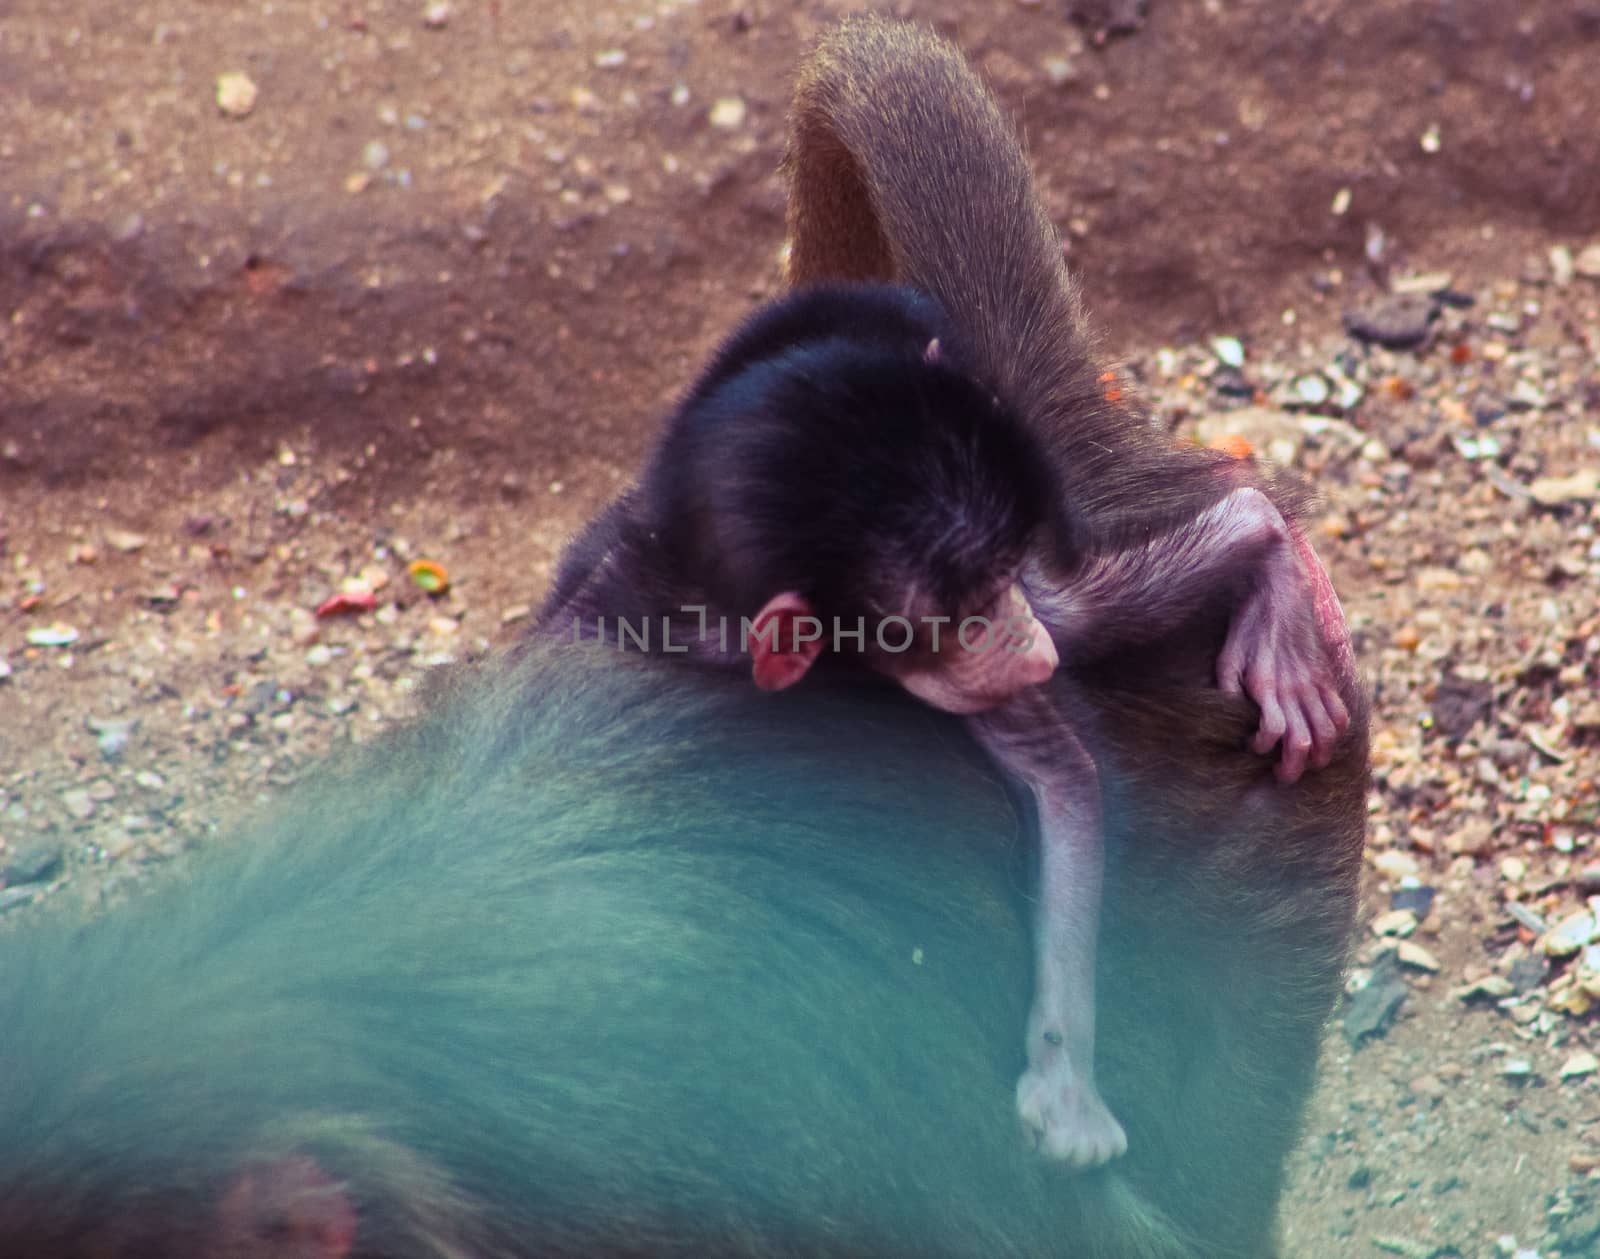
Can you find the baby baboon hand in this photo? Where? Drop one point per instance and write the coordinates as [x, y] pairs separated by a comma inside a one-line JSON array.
[[1063, 1113], [1275, 654]]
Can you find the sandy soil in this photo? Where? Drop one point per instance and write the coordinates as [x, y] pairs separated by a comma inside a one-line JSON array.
[[427, 296]]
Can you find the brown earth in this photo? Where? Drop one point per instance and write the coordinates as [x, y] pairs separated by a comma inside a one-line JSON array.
[[429, 295], [549, 244]]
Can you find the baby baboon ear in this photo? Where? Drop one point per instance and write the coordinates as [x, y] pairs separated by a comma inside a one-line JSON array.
[[785, 641]]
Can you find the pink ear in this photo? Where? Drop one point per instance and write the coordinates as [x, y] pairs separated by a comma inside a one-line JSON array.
[[289, 1208], [785, 641]]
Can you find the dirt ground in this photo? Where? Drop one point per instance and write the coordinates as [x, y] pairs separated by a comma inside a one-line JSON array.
[[427, 294]]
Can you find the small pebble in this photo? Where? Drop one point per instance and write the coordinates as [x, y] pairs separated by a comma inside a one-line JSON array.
[[112, 735], [236, 94], [118, 846], [1562, 266], [1418, 958], [1569, 935], [78, 804], [728, 113], [1229, 351], [1313, 389], [1394, 922], [1427, 283], [55, 635], [1490, 988], [1061, 72], [1580, 1064], [1581, 486], [36, 863], [125, 541], [1397, 322], [1349, 394], [1392, 863]]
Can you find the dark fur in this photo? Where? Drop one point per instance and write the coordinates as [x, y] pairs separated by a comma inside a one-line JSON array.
[[607, 957], [821, 453]]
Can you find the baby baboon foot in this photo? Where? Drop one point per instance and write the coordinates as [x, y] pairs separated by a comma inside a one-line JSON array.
[[1064, 1116]]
